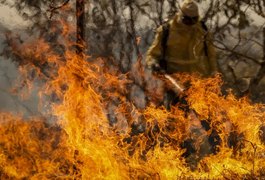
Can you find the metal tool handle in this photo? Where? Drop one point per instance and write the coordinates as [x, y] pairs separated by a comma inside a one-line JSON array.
[[178, 87]]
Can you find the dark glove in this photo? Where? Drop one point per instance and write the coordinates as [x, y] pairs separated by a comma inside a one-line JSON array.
[[157, 68]]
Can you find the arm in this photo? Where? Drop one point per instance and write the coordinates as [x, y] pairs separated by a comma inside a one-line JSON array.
[[155, 51], [212, 55]]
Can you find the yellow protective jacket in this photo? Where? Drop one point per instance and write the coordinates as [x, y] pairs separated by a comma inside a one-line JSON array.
[[185, 49]]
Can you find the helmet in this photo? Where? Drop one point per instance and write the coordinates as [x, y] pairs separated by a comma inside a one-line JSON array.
[[189, 8]]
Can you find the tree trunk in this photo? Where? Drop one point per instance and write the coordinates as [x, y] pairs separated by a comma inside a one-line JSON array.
[[80, 26], [264, 43]]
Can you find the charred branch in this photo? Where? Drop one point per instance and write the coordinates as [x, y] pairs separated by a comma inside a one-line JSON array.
[[54, 8]]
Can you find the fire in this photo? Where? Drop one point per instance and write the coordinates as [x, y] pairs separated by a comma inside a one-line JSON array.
[[32, 149], [139, 143]]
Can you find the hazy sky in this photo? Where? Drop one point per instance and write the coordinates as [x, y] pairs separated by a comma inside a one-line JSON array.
[[10, 18]]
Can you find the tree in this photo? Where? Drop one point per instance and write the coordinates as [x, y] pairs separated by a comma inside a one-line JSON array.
[[120, 23]]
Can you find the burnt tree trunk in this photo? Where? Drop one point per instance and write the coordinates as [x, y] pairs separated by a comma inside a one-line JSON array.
[[132, 28], [264, 43], [80, 26]]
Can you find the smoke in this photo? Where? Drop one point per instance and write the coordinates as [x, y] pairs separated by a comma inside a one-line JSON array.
[[9, 76]]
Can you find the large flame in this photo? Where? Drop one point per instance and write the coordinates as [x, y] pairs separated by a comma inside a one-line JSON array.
[[140, 143]]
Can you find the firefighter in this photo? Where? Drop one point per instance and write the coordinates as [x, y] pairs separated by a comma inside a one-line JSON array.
[[183, 45]]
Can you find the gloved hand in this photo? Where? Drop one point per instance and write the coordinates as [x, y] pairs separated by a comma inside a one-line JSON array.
[[156, 67]]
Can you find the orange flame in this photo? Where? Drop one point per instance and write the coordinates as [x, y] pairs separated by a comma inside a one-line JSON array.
[[143, 144]]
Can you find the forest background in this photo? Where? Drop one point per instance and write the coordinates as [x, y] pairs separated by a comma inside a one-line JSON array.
[[122, 30]]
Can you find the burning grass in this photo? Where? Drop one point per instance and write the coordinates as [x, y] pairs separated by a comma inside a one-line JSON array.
[[100, 134]]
